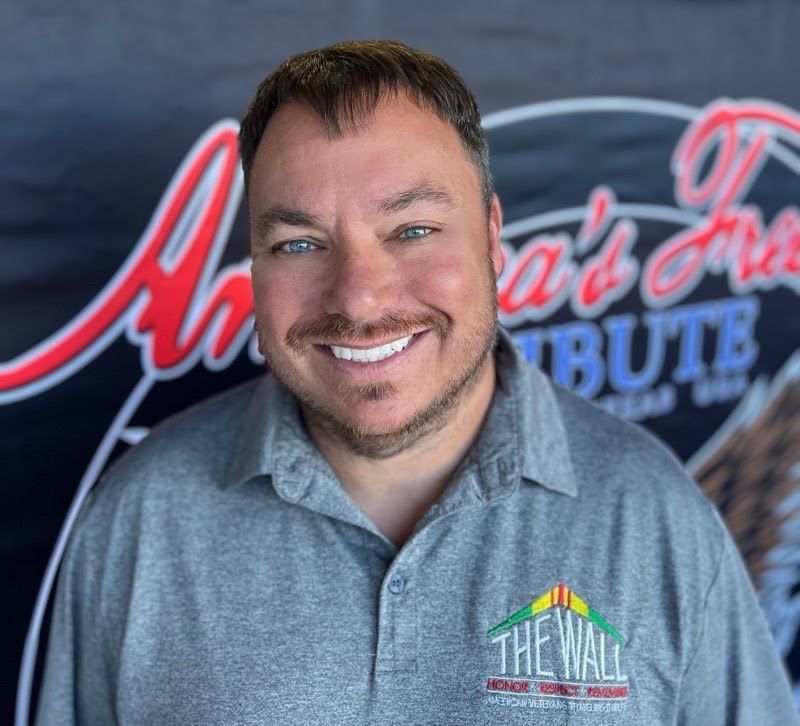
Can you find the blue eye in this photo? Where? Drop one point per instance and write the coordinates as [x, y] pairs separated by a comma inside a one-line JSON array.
[[416, 232], [297, 246]]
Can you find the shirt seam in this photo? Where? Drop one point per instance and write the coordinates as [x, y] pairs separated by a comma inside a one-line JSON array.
[[701, 631]]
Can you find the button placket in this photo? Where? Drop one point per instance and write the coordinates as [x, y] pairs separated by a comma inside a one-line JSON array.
[[397, 583], [397, 620]]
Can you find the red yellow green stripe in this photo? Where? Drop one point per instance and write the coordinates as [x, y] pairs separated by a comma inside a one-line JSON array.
[[561, 595]]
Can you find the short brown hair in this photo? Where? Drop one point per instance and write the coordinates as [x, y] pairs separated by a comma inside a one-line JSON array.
[[344, 83]]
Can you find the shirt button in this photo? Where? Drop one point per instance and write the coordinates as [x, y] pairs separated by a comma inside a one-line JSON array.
[[397, 583]]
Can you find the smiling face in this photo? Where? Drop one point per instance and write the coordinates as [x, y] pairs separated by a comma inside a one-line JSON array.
[[374, 269]]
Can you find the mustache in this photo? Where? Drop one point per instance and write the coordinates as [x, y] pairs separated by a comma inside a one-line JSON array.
[[337, 327]]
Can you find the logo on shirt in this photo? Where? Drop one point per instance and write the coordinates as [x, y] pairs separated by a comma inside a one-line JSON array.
[[559, 653]]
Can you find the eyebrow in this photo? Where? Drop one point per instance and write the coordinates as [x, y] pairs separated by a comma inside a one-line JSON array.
[[413, 195], [274, 216], [397, 202]]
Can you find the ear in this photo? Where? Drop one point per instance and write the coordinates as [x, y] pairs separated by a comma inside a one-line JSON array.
[[260, 340], [495, 227]]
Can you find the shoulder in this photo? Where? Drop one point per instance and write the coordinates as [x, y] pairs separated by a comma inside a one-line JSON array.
[[602, 442], [624, 454], [178, 465], [625, 473], [154, 506]]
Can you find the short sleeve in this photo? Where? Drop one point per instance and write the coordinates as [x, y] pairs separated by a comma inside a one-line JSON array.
[[77, 685], [735, 675]]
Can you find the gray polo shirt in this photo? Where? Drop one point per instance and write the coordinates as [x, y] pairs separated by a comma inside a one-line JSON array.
[[571, 573]]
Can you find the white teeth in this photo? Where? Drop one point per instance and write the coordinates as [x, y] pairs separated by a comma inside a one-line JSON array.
[[371, 354]]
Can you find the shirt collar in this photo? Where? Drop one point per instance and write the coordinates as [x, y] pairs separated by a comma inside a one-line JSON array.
[[252, 455], [523, 436], [529, 400], [273, 442]]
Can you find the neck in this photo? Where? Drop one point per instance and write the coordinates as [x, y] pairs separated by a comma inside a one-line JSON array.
[[394, 492]]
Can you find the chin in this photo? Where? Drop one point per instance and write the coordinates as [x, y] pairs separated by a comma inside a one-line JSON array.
[[378, 430], [377, 417]]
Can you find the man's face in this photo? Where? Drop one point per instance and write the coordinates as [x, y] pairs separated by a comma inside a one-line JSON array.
[[374, 268]]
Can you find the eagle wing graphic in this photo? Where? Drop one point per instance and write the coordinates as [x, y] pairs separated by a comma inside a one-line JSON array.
[[751, 468]]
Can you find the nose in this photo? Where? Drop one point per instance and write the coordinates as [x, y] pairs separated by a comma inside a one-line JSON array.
[[362, 283]]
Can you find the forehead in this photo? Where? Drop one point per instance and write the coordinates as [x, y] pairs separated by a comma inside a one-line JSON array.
[[398, 145]]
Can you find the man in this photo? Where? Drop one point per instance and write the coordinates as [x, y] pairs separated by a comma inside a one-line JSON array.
[[404, 522]]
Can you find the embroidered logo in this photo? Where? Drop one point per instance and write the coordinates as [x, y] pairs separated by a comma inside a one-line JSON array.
[[558, 653]]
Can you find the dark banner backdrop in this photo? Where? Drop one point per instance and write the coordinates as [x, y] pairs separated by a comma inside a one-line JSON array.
[[647, 156]]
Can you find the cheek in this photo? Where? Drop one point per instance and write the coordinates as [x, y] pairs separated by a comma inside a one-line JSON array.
[[451, 280], [280, 299]]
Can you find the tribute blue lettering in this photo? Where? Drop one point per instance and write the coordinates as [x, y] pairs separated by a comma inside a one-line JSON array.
[[620, 329], [737, 348], [688, 323], [577, 362]]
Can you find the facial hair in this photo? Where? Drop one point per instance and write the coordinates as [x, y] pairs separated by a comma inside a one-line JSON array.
[[429, 419]]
